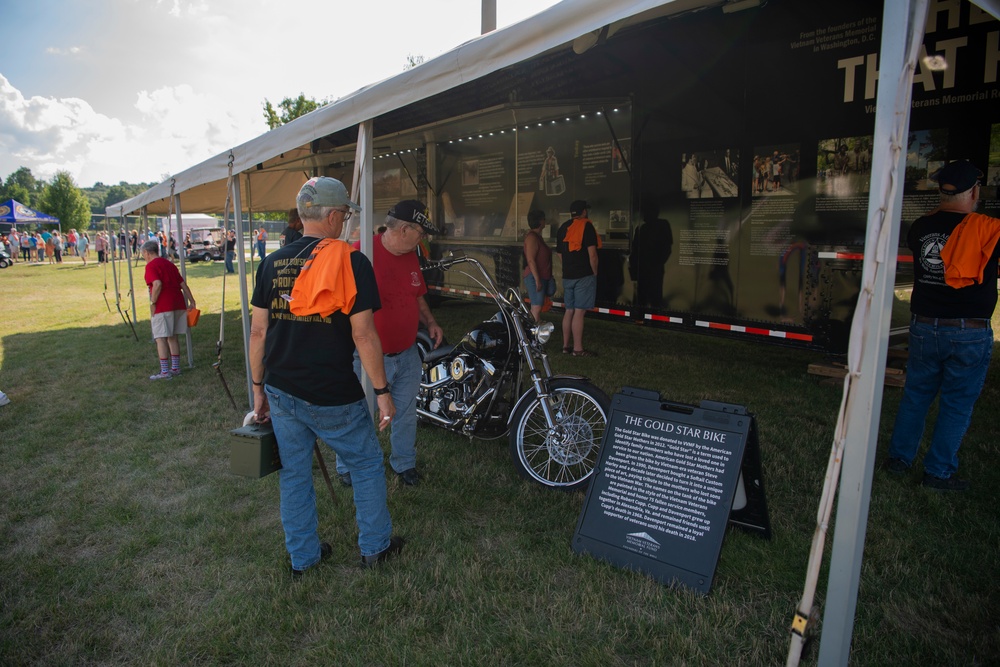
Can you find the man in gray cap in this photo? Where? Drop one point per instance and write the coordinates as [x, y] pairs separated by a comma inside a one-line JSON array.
[[950, 336], [401, 288], [307, 323]]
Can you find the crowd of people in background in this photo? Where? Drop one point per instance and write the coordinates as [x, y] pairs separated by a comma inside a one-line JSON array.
[[50, 246]]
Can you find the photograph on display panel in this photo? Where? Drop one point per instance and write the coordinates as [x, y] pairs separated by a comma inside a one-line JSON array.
[[621, 155], [776, 170], [710, 174], [926, 153], [843, 166], [550, 181], [991, 181]]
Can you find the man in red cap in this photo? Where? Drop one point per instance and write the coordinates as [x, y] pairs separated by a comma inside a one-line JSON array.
[[950, 336]]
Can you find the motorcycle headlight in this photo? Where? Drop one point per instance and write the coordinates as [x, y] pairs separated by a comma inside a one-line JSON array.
[[544, 331]]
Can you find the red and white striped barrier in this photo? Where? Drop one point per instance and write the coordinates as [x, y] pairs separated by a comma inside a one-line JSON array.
[[670, 319], [756, 331], [859, 256]]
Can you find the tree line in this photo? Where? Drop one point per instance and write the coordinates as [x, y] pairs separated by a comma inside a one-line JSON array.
[[62, 198]]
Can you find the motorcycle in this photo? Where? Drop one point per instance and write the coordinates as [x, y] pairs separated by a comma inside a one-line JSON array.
[[497, 381]]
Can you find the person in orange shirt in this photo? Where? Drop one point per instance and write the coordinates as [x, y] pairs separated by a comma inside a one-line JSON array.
[[261, 243], [302, 343], [577, 241], [951, 339]]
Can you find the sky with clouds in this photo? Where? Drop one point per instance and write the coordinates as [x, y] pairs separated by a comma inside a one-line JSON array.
[[135, 90]]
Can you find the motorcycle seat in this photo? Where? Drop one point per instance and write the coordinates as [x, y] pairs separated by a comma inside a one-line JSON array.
[[440, 353]]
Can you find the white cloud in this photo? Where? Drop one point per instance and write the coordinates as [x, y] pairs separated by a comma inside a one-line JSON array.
[[177, 127], [179, 8], [71, 51], [183, 80]]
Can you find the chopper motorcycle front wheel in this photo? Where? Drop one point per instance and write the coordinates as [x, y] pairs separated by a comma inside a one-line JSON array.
[[565, 455]]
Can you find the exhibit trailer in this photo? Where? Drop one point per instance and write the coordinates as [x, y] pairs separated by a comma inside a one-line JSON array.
[[727, 162], [726, 156]]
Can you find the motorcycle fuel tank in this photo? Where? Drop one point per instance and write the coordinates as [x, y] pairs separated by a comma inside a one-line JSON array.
[[490, 340]]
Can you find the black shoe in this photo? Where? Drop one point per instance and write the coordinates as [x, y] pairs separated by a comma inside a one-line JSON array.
[[945, 483], [345, 478], [325, 551], [896, 466], [409, 477], [395, 546]]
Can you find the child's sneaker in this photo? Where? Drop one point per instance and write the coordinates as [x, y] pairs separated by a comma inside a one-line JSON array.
[[161, 376]]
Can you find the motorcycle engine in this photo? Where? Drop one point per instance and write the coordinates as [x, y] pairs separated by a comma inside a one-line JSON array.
[[451, 386]]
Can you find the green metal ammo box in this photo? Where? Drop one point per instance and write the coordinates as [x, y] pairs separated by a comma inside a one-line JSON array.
[[253, 451]]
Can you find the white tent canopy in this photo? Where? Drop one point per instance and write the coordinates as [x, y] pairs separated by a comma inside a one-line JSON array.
[[272, 161]]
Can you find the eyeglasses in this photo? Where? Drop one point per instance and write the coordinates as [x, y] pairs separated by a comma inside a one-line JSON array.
[[347, 213], [417, 228]]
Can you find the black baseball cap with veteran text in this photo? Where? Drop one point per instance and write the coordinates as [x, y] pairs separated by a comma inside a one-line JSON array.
[[411, 210]]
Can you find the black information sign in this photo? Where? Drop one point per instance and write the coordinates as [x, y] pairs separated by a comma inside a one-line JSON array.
[[749, 511], [664, 486]]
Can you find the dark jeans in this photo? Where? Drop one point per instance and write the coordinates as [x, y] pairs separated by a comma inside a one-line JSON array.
[[951, 361]]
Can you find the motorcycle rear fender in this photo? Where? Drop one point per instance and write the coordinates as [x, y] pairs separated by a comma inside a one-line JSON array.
[[531, 392]]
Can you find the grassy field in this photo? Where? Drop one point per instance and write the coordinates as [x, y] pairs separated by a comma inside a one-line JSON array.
[[126, 540]]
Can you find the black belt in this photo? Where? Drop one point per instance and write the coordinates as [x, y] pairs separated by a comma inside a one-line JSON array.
[[394, 354], [957, 322]]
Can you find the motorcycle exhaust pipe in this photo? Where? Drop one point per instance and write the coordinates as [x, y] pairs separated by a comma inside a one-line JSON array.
[[433, 417]]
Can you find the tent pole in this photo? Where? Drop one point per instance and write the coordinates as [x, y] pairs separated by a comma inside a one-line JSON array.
[[181, 254], [244, 296], [128, 256], [870, 329], [363, 194]]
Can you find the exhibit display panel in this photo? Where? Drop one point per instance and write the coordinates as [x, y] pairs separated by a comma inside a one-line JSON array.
[[727, 161]]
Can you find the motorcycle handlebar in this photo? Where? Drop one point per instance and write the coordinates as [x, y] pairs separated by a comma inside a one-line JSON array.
[[445, 263]]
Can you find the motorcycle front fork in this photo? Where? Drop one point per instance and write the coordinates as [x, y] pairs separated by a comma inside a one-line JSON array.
[[541, 378]]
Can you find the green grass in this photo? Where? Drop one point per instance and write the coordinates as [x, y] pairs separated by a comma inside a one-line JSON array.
[[124, 538]]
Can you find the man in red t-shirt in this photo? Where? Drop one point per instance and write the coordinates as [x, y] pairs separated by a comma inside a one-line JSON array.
[[401, 289], [169, 299]]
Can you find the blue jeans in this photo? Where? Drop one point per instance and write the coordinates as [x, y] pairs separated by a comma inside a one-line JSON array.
[[349, 431], [952, 361], [230, 256], [403, 373], [261, 248]]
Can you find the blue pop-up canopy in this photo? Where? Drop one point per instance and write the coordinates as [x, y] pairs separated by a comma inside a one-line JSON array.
[[16, 213]]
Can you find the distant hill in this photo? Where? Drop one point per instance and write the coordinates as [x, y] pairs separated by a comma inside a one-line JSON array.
[[101, 195]]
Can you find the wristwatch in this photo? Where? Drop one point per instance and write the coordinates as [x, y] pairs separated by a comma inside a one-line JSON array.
[[382, 391]]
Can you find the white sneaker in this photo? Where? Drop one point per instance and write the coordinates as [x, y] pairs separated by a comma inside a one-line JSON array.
[[161, 376], [3, 399], [174, 373]]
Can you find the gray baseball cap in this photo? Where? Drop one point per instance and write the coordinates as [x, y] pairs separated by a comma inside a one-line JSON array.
[[324, 191]]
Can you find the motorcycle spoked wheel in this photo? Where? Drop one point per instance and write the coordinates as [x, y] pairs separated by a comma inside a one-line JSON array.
[[565, 456]]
